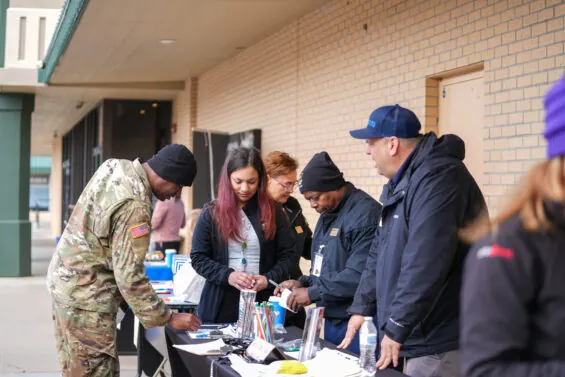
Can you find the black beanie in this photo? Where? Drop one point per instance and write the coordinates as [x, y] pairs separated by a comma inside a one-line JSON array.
[[174, 163], [320, 174]]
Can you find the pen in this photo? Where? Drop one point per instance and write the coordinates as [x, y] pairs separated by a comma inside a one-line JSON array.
[[276, 285]]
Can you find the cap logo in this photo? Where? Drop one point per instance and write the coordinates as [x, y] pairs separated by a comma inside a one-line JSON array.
[[372, 123]]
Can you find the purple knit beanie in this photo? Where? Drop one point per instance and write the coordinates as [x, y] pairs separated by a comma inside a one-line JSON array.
[[555, 119]]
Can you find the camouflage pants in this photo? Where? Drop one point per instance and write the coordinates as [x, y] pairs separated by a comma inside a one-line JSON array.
[[85, 342]]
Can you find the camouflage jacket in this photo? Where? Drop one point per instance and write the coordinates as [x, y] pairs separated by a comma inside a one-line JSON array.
[[99, 259]]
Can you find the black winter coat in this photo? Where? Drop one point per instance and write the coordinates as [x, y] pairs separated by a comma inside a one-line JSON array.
[[413, 277], [345, 234], [513, 304]]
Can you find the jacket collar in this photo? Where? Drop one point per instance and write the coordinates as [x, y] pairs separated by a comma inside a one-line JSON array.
[[335, 212], [292, 209]]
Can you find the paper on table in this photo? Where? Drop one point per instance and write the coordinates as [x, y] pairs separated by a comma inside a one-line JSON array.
[[284, 299], [330, 362], [246, 369], [203, 349]]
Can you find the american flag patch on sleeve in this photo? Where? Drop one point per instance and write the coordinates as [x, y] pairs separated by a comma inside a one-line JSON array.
[[139, 230]]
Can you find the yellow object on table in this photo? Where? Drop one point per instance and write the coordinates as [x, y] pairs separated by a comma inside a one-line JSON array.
[[292, 367]]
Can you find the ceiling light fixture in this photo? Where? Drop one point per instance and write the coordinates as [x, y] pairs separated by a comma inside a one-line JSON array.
[[154, 104], [167, 41]]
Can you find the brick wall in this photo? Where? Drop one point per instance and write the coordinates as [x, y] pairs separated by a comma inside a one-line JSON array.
[[322, 75]]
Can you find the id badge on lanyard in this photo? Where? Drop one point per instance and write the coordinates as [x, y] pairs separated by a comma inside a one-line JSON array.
[[318, 260]]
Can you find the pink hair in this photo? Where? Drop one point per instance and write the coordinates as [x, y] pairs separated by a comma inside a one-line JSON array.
[[226, 210]]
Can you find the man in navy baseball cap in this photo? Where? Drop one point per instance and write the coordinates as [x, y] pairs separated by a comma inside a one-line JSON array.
[[429, 197], [392, 133], [389, 121]]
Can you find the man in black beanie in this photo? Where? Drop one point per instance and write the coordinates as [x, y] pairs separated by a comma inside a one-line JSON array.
[[98, 265], [340, 245], [169, 170]]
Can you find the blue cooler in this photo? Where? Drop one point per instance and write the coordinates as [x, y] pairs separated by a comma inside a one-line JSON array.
[[158, 271], [279, 311]]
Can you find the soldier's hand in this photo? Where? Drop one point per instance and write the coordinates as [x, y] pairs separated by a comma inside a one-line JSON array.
[[184, 321], [353, 326], [241, 280]]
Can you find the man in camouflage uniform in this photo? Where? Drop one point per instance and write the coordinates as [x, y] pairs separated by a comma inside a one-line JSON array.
[[99, 260]]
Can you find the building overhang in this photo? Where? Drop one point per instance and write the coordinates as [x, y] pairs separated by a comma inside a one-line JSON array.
[[145, 49]]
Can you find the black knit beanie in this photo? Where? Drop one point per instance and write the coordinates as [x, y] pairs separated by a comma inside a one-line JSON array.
[[320, 174], [174, 163]]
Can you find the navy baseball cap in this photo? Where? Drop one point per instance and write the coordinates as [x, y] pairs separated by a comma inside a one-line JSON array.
[[389, 121]]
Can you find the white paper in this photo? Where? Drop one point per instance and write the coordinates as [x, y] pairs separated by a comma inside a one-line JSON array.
[[284, 298], [330, 362], [203, 349], [246, 369], [326, 363], [259, 349]]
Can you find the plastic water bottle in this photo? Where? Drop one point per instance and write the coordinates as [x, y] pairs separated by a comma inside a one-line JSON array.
[[368, 346]]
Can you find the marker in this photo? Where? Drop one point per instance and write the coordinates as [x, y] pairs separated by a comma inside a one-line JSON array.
[[199, 336]]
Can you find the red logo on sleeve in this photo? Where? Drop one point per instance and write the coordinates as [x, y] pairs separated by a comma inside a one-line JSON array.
[[495, 251]]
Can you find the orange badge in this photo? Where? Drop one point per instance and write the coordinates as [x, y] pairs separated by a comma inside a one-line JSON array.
[[139, 230]]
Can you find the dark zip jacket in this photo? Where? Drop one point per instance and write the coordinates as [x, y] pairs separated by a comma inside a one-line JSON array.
[[413, 276], [346, 234], [513, 304]]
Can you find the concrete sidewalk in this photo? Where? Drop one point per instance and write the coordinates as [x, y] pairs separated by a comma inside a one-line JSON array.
[[27, 343]]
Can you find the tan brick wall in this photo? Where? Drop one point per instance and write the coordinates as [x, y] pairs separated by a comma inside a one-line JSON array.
[[319, 77]]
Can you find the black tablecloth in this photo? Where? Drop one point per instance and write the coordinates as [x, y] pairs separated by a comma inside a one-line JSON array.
[[148, 358], [185, 364]]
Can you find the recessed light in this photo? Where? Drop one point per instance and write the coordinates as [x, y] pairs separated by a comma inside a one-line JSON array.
[[154, 104], [167, 41], [142, 111]]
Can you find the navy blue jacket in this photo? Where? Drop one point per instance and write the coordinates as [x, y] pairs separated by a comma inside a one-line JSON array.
[[209, 257], [513, 304], [413, 276], [347, 233]]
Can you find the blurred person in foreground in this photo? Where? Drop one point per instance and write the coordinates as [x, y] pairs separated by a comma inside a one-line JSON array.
[[513, 304]]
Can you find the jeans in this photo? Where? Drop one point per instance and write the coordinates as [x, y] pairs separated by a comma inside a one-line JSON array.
[[334, 332], [445, 364]]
